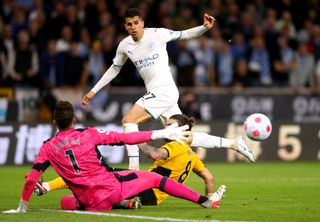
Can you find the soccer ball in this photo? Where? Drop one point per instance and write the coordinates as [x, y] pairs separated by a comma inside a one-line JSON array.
[[257, 126]]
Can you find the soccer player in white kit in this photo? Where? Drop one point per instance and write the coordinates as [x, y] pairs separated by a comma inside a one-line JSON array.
[[146, 48]]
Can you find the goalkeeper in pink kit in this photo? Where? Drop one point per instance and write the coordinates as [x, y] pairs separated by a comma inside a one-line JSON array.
[[96, 186]]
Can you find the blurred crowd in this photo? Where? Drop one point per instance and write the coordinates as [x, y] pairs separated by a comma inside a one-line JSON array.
[[258, 43]]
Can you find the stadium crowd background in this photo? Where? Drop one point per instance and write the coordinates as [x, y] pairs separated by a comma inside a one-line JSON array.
[[260, 43]]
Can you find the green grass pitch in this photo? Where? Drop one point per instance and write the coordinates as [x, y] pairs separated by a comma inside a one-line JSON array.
[[265, 191]]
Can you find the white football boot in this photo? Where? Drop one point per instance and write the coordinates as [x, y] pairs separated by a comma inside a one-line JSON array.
[[215, 198], [243, 149]]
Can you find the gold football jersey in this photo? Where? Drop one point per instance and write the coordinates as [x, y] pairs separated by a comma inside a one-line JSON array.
[[180, 162]]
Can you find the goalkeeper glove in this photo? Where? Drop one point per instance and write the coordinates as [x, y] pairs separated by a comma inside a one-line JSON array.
[[172, 132]]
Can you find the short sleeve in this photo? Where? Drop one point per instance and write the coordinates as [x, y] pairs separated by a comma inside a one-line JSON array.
[[173, 149], [198, 166]]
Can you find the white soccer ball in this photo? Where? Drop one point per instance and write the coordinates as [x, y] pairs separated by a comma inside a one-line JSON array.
[[257, 126]]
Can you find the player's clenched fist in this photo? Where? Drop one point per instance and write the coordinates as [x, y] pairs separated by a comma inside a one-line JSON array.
[[208, 21]]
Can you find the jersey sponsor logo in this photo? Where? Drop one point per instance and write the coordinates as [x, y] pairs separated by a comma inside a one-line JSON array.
[[75, 141], [60, 144], [146, 61], [151, 46]]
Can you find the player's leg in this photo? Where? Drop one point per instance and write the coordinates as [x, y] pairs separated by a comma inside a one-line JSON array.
[[133, 182], [150, 105], [44, 187], [209, 141], [69, 202], [130, 122]]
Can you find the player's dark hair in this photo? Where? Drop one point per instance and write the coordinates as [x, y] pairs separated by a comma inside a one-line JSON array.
[[63, 114], [132, 12], [184, 120]]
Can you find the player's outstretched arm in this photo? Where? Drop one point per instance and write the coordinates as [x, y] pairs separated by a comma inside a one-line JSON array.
[[106, 78], [172, 133], [152, 152], [28, 187], [208, 23]]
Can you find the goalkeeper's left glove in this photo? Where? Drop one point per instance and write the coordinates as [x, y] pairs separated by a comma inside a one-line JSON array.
[[172, 132], [22, 208]]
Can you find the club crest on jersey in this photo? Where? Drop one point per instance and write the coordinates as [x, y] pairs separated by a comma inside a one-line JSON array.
[[151, 46]]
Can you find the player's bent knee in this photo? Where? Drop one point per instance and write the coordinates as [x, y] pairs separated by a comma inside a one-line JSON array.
[[69, 202]]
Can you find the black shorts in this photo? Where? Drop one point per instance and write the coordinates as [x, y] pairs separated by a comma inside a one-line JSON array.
[[148, 197]]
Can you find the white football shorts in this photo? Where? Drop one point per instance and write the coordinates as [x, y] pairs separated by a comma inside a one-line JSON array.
[[162, 102]]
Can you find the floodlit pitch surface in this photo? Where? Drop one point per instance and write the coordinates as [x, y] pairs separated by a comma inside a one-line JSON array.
[[263, 191]]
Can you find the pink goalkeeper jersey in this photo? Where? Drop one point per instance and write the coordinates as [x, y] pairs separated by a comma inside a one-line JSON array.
[[74, 155]]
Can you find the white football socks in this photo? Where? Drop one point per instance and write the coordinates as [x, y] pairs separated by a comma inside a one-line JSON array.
[[133, 150], [208, 141]]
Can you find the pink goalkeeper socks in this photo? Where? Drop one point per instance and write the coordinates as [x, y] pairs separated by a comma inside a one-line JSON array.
[[177, 189]]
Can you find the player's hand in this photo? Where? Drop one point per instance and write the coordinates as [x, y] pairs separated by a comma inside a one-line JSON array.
[[208, 21], [86, 99], [172, 132], [177, 133], [22, 208], [13, 211]]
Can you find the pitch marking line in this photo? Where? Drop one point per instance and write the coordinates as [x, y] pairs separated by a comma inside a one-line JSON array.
[[132, 216]]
